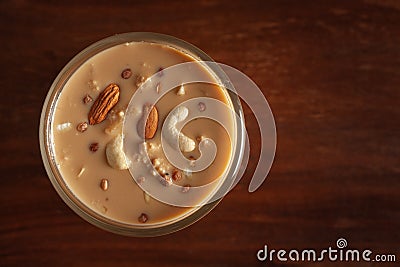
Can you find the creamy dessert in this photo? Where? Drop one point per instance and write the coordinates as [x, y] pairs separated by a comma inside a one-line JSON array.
[[88, 134]]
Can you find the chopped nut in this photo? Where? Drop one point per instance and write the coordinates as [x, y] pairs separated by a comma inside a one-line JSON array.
[[126, 73], [141, 180], [143, 218], [150, 145], [104, 209], [142, 148], [82, 126], [81, 172], [146, 197], [202, 106], [153, 146], [176, 175], [160, 72], [94, 147], [185, 188], [104, 184], [112, 116], [166, 179], [93, 85], [116, 122], [155, 162], [140, 80], [181, 90], [87, 99], [161, 170], [199, 138], [64, 127], [158, 87]]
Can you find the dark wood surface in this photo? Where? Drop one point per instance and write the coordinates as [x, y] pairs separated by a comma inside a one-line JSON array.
[[331, 73]]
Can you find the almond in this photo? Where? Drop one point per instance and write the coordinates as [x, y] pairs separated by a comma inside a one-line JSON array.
[[151, 123], [103, 104]]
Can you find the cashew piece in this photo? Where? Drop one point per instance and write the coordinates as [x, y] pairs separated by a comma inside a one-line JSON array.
[[115, 154], [63, 127], [186, 144]]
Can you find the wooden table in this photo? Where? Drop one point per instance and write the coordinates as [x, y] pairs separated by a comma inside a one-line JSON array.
[[331, 73]]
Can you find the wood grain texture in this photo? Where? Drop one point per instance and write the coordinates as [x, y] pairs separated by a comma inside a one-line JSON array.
[[331, 73]]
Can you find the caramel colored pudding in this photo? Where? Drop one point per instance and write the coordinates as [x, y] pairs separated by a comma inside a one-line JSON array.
[[83, 149]]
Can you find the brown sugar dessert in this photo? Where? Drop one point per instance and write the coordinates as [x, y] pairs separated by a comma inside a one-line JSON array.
[[87, 136]]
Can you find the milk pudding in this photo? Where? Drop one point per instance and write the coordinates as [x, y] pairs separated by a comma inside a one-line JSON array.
[[86, 135]]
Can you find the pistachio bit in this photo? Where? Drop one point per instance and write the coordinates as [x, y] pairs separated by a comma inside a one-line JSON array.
[[116, 121]]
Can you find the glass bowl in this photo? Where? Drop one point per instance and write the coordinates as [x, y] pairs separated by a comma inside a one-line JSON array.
[[47, 143]]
